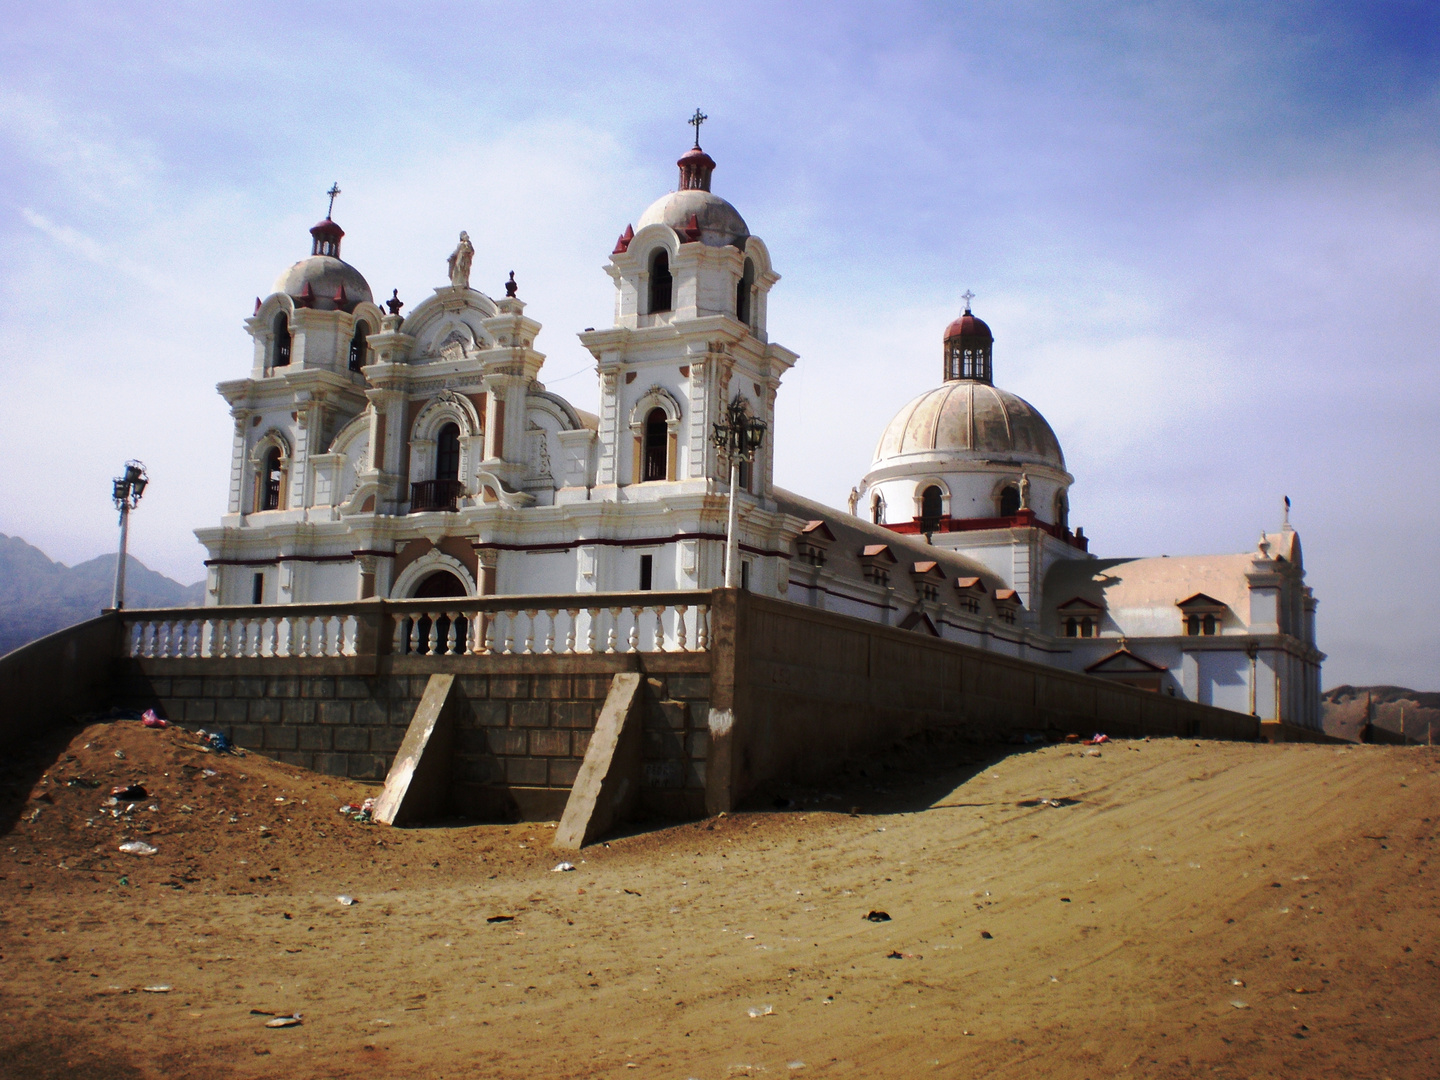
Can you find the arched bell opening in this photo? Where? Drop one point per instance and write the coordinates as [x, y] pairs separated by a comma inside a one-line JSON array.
[[661, 282]]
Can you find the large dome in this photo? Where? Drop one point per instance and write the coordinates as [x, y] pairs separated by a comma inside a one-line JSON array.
[[973, 421], [720, 223], [324, 274]]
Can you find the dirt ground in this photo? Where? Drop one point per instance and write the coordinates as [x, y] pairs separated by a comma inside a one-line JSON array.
[[1186, 909]]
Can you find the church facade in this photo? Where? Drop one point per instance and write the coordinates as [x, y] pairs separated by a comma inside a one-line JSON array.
[[377, 454]]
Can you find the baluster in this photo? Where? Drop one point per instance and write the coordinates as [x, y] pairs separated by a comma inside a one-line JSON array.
[[659, 610], [680, 610], [632, 640], [222, 634], [592, 623], [207, 637], [489, 619], [509, 646], [612, 639], [166, 644], [570, 628], [530, 621], [702, 628], [133, 635], [452, 634], [551, 614], [432, 644], [302, 634]]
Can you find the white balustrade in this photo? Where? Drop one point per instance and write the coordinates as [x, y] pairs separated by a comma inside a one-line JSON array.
[[453, 630]]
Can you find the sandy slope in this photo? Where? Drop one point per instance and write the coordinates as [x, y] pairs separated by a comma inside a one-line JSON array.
[[1118, 926]]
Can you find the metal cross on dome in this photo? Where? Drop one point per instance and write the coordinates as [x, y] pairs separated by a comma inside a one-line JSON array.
[[334, 190], [967, 296], [695, 122]]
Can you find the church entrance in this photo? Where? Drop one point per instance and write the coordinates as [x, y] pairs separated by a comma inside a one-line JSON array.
[[441, 634]]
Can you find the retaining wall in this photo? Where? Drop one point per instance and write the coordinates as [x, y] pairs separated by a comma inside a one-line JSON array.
[[56, 678], [522, 723], [808, 689]]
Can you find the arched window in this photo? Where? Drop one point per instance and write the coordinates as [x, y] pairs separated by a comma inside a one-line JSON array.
[[280, 355], [931, 505], [877, 508], [657, 436], [742, 292], [1208, 626], [661, 282], [1009, 501], [358, 346], [447, 454], [271, 480]]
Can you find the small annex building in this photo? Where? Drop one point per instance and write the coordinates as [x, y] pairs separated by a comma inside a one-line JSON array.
[[380, 454]]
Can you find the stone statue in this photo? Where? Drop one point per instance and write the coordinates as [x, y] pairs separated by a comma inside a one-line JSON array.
[[1024, 490], [459, 262], [854, 500]]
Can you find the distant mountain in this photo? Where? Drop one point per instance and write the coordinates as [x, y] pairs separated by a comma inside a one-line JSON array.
[[39, 596], [1346, 709]]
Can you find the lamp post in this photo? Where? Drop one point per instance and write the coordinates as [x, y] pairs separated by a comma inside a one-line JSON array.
[[127, 492], [739, 435]]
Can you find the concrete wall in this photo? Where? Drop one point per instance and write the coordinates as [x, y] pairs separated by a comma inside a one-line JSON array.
[[63, 675], [522, 723], [808, 689]]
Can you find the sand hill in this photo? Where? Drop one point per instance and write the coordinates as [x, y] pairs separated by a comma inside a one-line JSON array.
[[1173, 910]]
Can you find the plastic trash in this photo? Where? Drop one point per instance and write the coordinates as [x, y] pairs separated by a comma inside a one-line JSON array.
[[283, 1021], [878, 916], [757, 1011], [501, 918], [563, 868], [1238, 1004], [151, 720], [987, 935], [129, 793], [348, 901], [1097, 739], [156, 989], [138, 847]]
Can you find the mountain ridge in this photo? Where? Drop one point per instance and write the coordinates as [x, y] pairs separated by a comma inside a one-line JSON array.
[[39, 595]]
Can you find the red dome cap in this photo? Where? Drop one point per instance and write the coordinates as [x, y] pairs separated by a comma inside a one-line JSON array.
[[968, 326]]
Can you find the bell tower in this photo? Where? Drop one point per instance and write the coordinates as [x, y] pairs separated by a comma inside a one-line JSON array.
[[691, 293]]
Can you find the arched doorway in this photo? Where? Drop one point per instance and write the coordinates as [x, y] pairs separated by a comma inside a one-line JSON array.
[[448, 639]]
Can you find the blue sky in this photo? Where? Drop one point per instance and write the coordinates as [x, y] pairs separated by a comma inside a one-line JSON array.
[[1206, 236]]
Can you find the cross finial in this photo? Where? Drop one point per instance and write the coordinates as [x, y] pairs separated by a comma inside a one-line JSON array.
[[967, 296], [334, 190], [695, 122]]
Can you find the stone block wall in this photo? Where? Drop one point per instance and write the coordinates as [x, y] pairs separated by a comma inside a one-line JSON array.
[[523, 723]]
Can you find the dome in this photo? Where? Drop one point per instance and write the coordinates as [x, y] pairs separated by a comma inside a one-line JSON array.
[[971, 421], [719, 222], [322, 275], [968, 326]]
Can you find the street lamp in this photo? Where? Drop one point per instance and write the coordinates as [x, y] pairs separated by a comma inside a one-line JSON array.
[[127, 492], [739, 435]]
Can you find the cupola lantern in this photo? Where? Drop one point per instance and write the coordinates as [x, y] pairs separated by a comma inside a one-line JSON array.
[[968, 344]]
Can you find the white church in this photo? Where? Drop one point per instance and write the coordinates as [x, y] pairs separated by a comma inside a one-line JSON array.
[[381, 455]]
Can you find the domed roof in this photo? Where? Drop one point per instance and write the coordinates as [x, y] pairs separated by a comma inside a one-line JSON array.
[[720, 223], [323, 274], [971, 420], [968, 326]]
